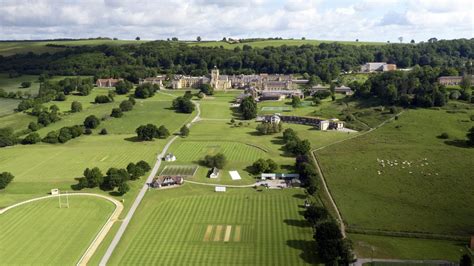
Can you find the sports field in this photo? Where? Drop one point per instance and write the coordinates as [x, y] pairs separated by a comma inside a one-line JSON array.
[[42, 233], [181, 170], [238, 227], [423, 184]]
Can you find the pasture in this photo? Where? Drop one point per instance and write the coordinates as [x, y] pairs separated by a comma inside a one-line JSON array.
[[42, 233], [277, 43], [39, 47], [238, 227], [432, 194], [7, 106], [14, 84]]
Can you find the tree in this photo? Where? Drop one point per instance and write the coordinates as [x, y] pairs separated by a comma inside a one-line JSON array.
[[289, 135], [163, 132], [5, 179], [103, 131], [123, 87], [65, 135], [135, 171], [76, 107], [144, 165], [123, 188], [315, 215], [184, 131], [259, 166], [248, 108], [400, 39], [61, 97], [464, 261], [26, 84], [183, 105], [145, 90], [198, 38], [219, 160], [470, 136], [147, 132], [51, 137], [94, 177], [465, 82], [32, 138], [412, 41], [137, 38], [84, 89], [295, 101], [328, 241], [116, 112], [206, 89], [91, 122], [33, 126], [126, 106], [114, 178]]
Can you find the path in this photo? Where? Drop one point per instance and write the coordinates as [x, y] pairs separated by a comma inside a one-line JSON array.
[[361, 261], [323, 179], [220, 185], [103, 231], [141, 194]]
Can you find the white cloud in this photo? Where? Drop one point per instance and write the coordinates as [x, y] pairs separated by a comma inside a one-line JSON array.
[[186, 19]]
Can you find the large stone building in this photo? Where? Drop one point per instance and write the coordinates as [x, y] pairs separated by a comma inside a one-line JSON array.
[[154, 80], [377, 67], [451, 80], [107, 83], [180, 81], [220, 82]]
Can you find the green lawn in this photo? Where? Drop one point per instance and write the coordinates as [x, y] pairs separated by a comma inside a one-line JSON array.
[[38, 47], [7, 106], [406, 248], [433, 194], [14, 84], [169, 228], [42, 233], [276, 43]]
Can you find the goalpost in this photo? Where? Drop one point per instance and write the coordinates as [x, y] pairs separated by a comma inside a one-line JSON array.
[[63, 200]]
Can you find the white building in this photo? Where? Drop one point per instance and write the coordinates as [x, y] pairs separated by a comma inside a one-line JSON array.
[[170, 157]]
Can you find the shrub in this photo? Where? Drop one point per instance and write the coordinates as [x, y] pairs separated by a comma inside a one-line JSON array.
[[5, 179], [116, 112], [103, 131], [51, 137], [76, 107], [126, 105], [26, 84], [102, 99], [143, 165], [444, 135], [33, 126], [91, 122], [183, 105], [123, 87], [145, 90], [184, 131], [60, 97], [87, 131], [32, 138], [268, 128]]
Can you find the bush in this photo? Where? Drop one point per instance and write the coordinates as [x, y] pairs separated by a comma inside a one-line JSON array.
[[126, 105], [87, 131], [183, 105], [144, 166], [91, 122], [33, 126], [103, 131], [32, 138], [116, 112], [123, 188], [264, 166], [51, 137], [26, 84], [206, 89], [123, 87], [5, 179], [145, 90], [102, 99], [444, 135], [393, 110], [61, 97], [267, 128], [454, 95], [76, 107]]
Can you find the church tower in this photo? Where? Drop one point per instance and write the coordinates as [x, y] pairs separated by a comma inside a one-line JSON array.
[[215, 77]]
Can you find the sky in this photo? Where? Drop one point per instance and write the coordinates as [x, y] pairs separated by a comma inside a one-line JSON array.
[[366, 20]]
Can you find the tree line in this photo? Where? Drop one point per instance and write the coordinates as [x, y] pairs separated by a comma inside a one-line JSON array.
[[325, 60]]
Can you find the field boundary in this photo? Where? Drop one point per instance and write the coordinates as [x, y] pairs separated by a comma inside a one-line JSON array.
[[100, 235], [378, 232]]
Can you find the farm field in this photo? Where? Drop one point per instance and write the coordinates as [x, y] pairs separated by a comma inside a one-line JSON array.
[[238, 227], [7, 106], [419, 189], [406, 248], [38, 47], [277, 43], [42, 233]]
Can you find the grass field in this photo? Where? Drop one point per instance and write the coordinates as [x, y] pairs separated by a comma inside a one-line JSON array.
[[38, 47], [433, 194], [266, 228], [276, 43], [182, 170], [7, 106], [42, 233], [14, 84]]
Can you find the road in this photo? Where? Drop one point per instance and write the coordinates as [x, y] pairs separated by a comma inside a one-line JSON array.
[[141, 194]]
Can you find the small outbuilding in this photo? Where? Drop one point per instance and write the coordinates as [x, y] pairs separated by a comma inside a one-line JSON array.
[[170, 157], [214, 172], [54, 191], [220, 189]]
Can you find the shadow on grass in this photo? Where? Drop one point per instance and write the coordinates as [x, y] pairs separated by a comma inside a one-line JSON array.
[[133, 139], [115, 194], [297, 223], [307, 247], [458, 143], [300, 196]]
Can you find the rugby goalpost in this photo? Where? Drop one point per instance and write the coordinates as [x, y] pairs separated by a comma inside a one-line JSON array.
[[63, 199]]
